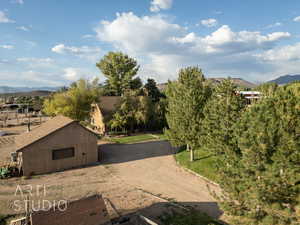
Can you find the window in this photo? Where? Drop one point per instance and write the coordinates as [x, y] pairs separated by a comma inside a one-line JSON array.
[[63, 153]]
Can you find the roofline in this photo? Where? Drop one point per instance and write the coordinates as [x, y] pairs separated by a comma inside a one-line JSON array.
[[75, 121]]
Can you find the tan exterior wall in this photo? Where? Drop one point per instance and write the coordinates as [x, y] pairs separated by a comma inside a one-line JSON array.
[[97, 119], [37, 158]]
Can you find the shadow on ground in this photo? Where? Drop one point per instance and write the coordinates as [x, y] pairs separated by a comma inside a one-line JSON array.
[[120, 153], [196, 213]]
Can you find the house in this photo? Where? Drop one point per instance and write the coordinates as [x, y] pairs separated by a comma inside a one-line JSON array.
[[250, 96], [87, 211], [103, 111], [58, 144]]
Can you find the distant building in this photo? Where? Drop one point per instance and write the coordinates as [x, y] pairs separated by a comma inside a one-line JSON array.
[[250, 96], [103, 111], [58, 144]]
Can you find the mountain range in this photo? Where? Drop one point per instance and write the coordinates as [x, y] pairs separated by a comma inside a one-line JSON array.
[[238, 81], [9, 89], [285, 79]]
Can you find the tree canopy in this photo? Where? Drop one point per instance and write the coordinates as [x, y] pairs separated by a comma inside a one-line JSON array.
[[222, 111], [75, 102], [152, 90], [120, 70], [186, 100], [260, 177]]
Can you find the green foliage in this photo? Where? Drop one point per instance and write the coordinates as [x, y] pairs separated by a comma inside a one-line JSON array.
[[267, 89], [119, 69], [136, 84], [138, 112], [261, 176], [294, 87], [221, 114], [189, 218], [4, 218], [186, 100], [126, 115], [75, 102], [8, 171], [152, 90]]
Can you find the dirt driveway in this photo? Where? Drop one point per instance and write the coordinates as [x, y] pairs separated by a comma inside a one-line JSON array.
[[150, 166], [139, 178]]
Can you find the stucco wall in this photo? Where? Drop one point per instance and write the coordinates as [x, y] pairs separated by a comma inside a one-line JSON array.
[[98, 120], [37, 158]]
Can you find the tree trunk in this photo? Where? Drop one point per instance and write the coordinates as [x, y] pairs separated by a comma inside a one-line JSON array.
[[192, 155]]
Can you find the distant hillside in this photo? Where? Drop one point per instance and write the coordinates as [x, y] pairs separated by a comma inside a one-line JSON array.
[[285, 79], [237, 81], [8, 89], [29, 93]]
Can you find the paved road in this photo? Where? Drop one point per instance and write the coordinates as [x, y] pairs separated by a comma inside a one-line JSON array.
[[150, 166]]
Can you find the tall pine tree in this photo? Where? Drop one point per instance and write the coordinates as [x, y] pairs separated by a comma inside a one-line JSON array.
[[221, 114], [260, 177]]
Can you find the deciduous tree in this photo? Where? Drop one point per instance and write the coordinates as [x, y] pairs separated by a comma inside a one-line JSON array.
[[120, 70], [75, 102], [186, 99]]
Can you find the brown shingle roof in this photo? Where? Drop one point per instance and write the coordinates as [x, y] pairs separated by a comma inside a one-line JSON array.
[[109, 104], [87, 211], [44, 130]]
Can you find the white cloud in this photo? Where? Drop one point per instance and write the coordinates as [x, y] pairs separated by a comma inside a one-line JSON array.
[[71, 74], [87, 36], [4, 18], [284, 53], [23, 28], [88, 52], [297, 19], [4, 61], [163, 47], [209, 22], [157, 5], [37, 62], [21, 2], [277, 24], [7, 46], [139, 34]]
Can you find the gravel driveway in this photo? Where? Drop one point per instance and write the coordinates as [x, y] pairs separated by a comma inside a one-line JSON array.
[[150, 166]]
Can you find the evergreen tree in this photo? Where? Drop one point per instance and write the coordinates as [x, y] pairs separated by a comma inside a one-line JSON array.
[[267, 89], [186, 100], [120, 71], [152, 90], [221, 114], [260, 177]]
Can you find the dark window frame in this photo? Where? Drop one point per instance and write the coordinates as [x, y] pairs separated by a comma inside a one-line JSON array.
[[58, 154]]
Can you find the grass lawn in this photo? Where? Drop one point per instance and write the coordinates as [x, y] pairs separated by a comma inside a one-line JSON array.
[[204, 163], [136, 138]]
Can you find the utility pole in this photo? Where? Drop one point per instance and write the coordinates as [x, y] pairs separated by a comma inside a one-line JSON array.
[[28, 117]]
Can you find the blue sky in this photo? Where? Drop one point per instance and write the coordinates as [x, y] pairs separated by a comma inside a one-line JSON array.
[[55, 42]]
